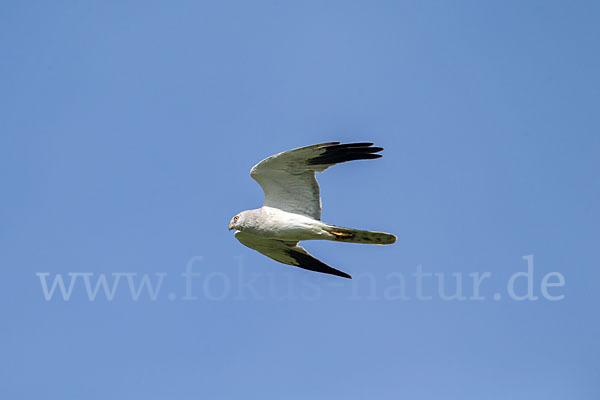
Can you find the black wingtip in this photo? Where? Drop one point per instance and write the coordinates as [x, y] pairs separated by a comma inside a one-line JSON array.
[[310, 263], [339, 153]]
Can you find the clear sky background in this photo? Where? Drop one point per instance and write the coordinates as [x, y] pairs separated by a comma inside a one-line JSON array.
[[128, 129]]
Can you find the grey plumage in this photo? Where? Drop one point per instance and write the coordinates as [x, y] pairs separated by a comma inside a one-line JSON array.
[[292, 206]]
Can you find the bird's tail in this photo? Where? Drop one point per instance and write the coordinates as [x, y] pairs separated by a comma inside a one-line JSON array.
[[349, 235]]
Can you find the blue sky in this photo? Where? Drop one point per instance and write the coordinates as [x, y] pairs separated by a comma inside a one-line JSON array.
[[127, 133]]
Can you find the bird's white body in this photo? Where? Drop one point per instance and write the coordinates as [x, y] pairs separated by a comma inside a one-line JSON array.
[[273, 223]]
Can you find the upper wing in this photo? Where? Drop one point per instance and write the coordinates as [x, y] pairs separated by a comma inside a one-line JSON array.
[[288, 253], [288, 178]]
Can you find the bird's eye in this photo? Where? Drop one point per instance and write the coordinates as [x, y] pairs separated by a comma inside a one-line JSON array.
[[236, 218]]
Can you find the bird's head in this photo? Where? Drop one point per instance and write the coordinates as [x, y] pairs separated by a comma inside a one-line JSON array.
[[236, 222]]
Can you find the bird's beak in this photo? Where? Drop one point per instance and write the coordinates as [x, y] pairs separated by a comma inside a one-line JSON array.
[[230, 228]]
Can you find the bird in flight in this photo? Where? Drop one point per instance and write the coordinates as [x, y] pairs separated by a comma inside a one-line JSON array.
[[292, 206]]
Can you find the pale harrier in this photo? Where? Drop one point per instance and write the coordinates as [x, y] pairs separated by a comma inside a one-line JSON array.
[[292, 207]]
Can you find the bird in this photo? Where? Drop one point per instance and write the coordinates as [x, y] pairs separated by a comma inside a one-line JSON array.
[[292, 206]]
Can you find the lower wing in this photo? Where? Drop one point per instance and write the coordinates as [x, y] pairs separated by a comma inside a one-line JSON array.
[[287, 253]]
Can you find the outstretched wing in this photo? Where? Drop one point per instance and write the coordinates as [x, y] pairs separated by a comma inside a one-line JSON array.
[[288, 178], [287, 252]]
